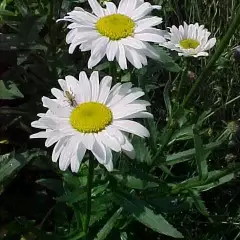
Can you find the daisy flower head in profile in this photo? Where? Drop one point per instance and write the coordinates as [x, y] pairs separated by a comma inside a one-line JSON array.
[[90, 115], [122, 33], [189, 40]]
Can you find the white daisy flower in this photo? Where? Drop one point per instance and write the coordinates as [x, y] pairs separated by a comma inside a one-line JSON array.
[[189, 40], [119, 33], [88, 115]]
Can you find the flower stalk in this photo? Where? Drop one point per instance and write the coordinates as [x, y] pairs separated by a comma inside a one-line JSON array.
[[222, 45], [89, 195]]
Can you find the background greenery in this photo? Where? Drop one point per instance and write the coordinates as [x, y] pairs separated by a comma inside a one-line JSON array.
[[180, 182]]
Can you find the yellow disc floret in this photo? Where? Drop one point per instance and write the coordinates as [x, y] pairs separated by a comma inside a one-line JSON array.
[[189, 43], [115, 26], [91, 117]]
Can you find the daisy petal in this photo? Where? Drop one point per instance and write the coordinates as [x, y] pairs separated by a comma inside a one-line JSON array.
[[105, 86], [131, 127], [96, 7]]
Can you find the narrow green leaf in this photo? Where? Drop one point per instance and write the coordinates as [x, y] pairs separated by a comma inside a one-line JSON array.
[[188, 154], [146, 216], [107, 228], [167, 98], [9, 92], [52, 184], [201, 157]]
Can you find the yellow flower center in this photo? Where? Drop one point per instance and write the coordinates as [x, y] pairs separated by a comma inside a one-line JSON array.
[[115, 26], [189, 43], [91, 117]]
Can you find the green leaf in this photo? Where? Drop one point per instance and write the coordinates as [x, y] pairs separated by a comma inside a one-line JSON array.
[[166, 60], [12, 163], [134, 182], [146, 216], [9, 92], [188, 154], [143, 153], [6, 13], [107, 228], [31, 27], [167, 98], [222, 180], [52, 184], [73, 197], [198, 202], [201, 156]]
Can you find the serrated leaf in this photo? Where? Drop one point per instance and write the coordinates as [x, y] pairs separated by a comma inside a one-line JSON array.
[[142, 151], [107, 228], [201, 157], [9, 92], [134, 182], [166, 60], [146, 216], [198, 202], [73, 197]]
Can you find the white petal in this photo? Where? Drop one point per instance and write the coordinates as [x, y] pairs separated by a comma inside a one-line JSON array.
[[57, 93], [85, 84], [132, 42], [105, 86], [110, 8], [126, 6], [131, 97], [115, 133], [99, 152], [78, 157], [134, 57], [55, 107], [146, 23], [210, 43], [94, 81], [127, 110], [95, 59], [140, 115], [89, 140], [99, 44], [109, 163], [54, 137], [118, 94], [128, 149], [142, 11], [60, 145], [149, 37], [40, 135], [96, 7], [131, 127], [62, 84], [108, 140], [111, 50], [121, 57]]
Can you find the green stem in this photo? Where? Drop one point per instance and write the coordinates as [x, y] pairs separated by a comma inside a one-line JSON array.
[[89, 191], [183, 77], [113, 71], [222, 45]]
